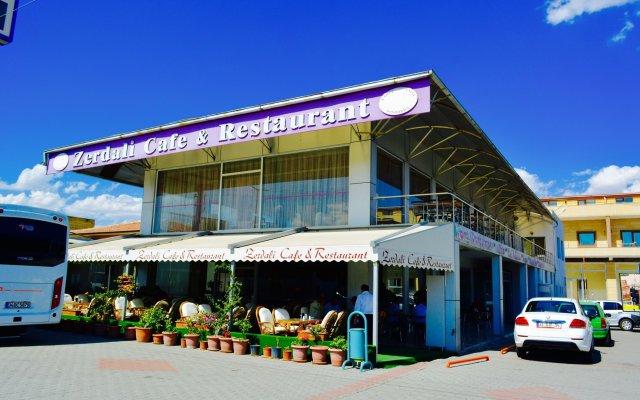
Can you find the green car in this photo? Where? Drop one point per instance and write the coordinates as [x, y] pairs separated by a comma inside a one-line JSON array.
[[601, 331]]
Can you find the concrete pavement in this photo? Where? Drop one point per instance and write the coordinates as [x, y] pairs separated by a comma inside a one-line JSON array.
[[55, 364]]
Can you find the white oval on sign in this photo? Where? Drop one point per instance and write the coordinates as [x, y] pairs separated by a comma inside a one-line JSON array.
[[398, 101], [60, 162]]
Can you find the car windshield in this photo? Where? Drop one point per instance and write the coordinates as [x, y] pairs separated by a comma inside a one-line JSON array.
[[551, 306], [591, 310]]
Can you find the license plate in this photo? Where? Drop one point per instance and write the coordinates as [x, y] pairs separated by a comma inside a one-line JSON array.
[[17, 304], [549, 325]]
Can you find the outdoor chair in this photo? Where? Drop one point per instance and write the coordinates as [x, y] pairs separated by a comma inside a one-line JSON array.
[[280, 314], [82, 298], [118, 306], [265, 322], [329, 320], [68, 298], [188, 309], [251, 316], [205, 309], [340, 326], [136, 306]]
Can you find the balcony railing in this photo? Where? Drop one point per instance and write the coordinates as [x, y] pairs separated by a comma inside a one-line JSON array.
[[438, 208]]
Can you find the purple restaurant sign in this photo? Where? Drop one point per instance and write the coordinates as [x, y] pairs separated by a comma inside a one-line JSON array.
[[408, 98]]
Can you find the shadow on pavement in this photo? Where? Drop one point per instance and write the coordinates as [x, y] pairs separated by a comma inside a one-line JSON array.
[[39, 336]]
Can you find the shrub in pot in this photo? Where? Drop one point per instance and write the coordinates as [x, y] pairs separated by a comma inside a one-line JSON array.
[[338, 351]]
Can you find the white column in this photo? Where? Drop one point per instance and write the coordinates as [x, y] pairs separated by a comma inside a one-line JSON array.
[[496, 280], [436, 311], [453, 336]]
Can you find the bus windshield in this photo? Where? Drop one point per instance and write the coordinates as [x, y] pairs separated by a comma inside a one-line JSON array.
[[30, 242]]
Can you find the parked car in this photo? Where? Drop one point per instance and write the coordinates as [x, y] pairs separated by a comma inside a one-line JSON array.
[[617, 316], [552, 323], [601, 331]]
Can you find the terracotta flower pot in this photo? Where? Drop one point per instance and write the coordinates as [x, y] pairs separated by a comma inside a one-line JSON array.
[[157, 338], [266, 352], [214, 342], [240, 346], [286, 355], [319, 354], [113, 331], [130, 333], [299, 353], [183, 343], [170, 338], [226, 345], [337, 357], [100, 330], [203, 345], [191, 340], [143, 335]]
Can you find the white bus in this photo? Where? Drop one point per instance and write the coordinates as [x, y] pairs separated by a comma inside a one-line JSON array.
[[33, 266]]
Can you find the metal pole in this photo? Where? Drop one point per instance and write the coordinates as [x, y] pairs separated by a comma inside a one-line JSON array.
[[231, 294], [375, 307]]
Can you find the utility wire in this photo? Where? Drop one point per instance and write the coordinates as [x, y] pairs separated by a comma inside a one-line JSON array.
[[23, 5]]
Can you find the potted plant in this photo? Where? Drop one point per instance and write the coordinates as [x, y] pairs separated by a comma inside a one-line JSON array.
[[113, 330], [338, 351], [318, 352], [266, 352], [276, 351], [193, 332], [240, 345], [100, 310], [170, 333], [213, 325], [152, 321], [300, 346], [226, 342]]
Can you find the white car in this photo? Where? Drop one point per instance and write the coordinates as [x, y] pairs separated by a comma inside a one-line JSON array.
[[553, 323]]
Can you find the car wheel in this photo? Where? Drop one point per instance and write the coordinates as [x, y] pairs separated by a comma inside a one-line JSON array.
[[626, 324], [607, 341], [588, 356], [521, 352]]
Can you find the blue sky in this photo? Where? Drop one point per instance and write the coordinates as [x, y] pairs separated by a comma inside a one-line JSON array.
[[554, 84]]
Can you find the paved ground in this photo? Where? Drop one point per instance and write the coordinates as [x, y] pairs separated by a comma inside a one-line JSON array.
[[53, 364]]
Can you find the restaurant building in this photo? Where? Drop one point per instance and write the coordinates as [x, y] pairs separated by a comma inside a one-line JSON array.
[[389, 183]]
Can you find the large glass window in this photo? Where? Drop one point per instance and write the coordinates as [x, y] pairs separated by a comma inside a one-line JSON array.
[[240, 195], [587, 238], [306, 189], [630, 238], [187, 199]]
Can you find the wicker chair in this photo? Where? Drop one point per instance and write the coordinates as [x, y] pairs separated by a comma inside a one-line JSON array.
[[280, 314], [187, 309], [329, 320], [265, 322], [339, 328]]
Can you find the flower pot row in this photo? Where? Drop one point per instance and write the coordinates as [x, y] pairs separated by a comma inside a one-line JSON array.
[[240, 346]]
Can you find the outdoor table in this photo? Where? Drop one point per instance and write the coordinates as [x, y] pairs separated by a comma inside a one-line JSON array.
[[301, 323]]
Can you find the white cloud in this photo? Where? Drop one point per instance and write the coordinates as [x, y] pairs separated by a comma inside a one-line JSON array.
[[622, 35], [586, 172], [107, 208], [33, 179], [34, 188], [614, 179], [75, 187], [539, 187], [559, 11]]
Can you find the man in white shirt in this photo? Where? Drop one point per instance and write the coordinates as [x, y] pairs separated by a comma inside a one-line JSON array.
[[364, 304]]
